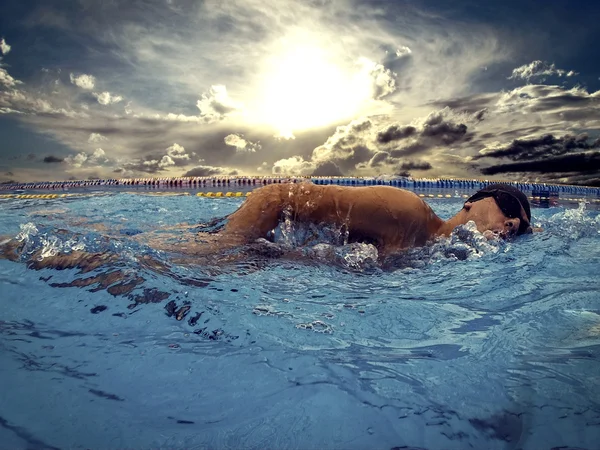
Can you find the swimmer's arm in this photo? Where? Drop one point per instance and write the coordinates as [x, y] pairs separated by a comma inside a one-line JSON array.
[[11, 249], [258, 215]]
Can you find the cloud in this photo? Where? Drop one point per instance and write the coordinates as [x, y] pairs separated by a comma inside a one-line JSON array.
[[6, 80], [98, 157], [293, 166], [83, 81], [567, 159], [367, 144], [550, 98], [175, 157], [96, 137], [52, 159], [21, 102], [545, 146], [166, 161], [327, 169], [76, 160], [241, 144], [403, 51], [579, 162], [205, 171], [106, 98], [394, 133], [415, 165], [538, 69], [177, 152], [215, 105], [4, 47], [383, 81]]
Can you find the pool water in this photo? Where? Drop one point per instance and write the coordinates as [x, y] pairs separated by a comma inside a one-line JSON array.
[[466, 343]]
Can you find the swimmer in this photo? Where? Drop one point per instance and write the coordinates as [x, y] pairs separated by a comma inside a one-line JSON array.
[[391, 219]]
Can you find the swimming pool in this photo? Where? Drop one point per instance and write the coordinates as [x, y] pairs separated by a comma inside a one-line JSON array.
[[466, 343]]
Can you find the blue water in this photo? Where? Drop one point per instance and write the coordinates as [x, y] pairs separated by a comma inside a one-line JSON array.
[[466, 343]]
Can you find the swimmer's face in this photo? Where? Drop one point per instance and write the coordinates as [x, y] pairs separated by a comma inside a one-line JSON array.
[[488, 216]]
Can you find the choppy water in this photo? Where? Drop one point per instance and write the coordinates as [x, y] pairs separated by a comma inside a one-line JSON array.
[[467, 343]]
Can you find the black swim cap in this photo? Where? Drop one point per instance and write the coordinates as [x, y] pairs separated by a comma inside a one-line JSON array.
[[500, 187]]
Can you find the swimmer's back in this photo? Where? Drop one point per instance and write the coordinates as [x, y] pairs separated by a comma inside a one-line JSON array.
[[389, 217]]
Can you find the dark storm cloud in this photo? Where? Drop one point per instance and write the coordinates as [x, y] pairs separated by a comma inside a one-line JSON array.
[[580, 162], [546, 146], [30, 157], [394, 133], [445, 131], [328, 169], [53, 159], [205, 171], [415, 165]]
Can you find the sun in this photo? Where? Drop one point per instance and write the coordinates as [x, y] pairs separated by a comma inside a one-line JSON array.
[[304, 88]]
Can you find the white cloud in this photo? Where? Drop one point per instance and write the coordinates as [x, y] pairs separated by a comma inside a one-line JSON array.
[[97, 137], [83, 81], [166, 161], [538, 69], [241, 145], [383, 81], [106, 98], [4, 47], [177, 151], [6, 80], [403, 51], [182, 118], [77, 160], [24, 103], [80, 159], [216, 104], [99, 156], [294, 165]]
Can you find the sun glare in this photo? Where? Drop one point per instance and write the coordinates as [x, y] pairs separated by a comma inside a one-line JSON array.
[[304, 89]]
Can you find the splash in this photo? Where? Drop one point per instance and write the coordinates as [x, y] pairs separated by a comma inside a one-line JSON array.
[[464, 243], [574, 223], [354, 256], [45, 244]]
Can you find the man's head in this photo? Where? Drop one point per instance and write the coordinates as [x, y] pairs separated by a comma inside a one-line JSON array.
[[500, 208]]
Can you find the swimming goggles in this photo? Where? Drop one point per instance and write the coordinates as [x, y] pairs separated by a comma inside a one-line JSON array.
[[510, 206]]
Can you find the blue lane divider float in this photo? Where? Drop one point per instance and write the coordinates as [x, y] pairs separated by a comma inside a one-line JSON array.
[[226, 184]]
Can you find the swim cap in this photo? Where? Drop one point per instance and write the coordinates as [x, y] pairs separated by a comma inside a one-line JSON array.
[[492, 189]]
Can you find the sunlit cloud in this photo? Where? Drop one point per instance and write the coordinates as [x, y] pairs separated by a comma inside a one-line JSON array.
[[96, 137], [6, 80], [106, 98], [83, 81], [539, 69], [177, 152], [215, 104], [241, 144], [4, 47]]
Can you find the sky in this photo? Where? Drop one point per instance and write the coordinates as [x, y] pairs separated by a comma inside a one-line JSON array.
[[499, 90]]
